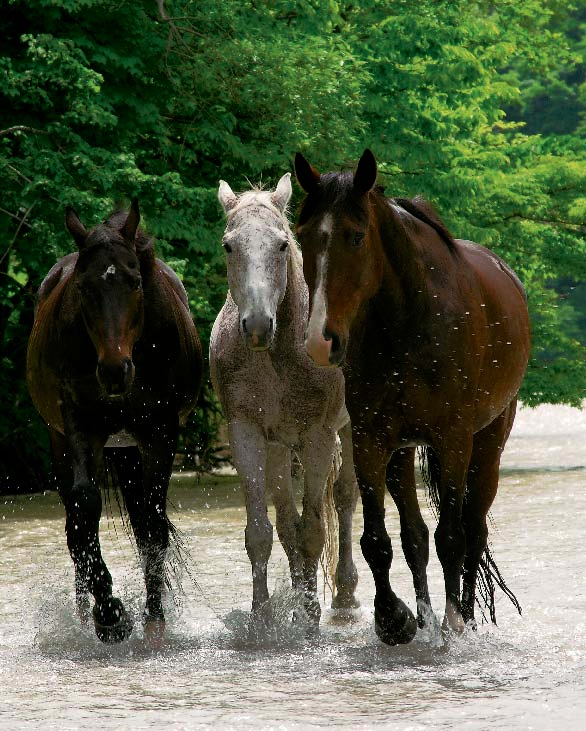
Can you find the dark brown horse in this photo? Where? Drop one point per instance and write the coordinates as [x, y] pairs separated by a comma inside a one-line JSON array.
[[114, 359], [434, 334]]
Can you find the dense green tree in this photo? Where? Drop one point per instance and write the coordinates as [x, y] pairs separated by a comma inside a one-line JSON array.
[[103, 100]]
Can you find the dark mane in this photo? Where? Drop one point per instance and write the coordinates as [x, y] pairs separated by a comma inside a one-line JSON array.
[[337, 189], [421, 209]]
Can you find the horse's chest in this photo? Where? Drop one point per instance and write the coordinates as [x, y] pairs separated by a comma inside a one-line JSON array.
[[284, 403]]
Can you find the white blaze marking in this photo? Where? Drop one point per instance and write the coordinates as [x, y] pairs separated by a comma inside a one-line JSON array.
[[317, 319], [110, 270], [327, 224]]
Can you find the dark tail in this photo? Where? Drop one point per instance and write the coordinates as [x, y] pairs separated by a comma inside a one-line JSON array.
[[488, 576], [122, 467]]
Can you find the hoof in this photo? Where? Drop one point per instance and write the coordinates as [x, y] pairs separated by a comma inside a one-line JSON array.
[[261, 625], [453, 620], [395, 625], [83, 609], [112, 622], [154, 633], [345, 601]]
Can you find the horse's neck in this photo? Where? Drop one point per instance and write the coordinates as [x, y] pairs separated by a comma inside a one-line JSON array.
[[404, 281], [292, 312]]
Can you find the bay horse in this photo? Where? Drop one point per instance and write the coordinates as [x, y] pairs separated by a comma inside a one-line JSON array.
[[276, 400], [114, 367], [434, 336]]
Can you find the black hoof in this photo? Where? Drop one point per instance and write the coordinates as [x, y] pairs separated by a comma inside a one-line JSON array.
[[395, 625], [112, 622], [345, 601]]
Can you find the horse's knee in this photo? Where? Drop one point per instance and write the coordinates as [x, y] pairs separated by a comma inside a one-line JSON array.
[[311, 538], [377, 550], [345, 495], [83, 508], [258, 539], [83, 499]]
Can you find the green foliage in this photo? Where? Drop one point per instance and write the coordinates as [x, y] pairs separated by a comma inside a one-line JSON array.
[[104, 100]]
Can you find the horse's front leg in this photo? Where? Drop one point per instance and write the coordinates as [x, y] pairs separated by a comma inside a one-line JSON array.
[[345, 498], [249, 452], [83, 507], [393, 620], [158, 451], [280, 484], [317, 457], [414, 531]]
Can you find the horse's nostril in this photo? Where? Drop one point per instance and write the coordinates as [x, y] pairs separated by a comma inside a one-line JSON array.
[[244, 325], [331, 336]]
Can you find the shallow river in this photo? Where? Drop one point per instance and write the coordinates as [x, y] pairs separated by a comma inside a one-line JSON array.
[[527, 673]]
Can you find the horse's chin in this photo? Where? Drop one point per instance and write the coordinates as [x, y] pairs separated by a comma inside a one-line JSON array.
[[256, 344]]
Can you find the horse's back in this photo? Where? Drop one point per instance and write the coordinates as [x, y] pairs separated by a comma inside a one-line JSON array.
[[490, 268]]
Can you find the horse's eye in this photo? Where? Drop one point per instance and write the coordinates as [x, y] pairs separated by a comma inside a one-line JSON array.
[[228, 248], [284, 246], [358, 239]]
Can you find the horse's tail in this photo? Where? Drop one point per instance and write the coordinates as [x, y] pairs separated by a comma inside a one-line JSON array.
[[329, 557], [121, 466], [488, 576]]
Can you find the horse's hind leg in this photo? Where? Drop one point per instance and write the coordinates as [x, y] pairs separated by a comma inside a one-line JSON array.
[[414, 532], [345, 497], [249, 453], [482, 484]]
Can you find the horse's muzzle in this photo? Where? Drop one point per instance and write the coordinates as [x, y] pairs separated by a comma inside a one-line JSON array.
[[258, 331], [326, 349], [115, 377]]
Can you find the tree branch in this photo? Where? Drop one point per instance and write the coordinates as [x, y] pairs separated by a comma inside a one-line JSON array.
[[22, 128]]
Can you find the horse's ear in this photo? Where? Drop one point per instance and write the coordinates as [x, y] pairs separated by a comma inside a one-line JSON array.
[[307, 176], [226, 196], [128, 231], [365, 175], [75, 227], [282, 192]]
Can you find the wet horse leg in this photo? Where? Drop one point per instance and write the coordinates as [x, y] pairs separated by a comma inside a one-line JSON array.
[[450, 540], [63, 475], [414, 532], [287, 516], [345, 498], [317, 453], [157, 452], [482, 484], [83, 507], [394, 621], [249, 452]]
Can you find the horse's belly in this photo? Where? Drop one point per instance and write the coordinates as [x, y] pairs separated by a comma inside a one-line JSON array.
[[121, 439]]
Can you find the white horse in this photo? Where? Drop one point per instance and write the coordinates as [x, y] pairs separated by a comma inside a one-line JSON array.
[[276, 400]]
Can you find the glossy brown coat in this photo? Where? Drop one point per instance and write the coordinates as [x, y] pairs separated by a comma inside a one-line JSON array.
[[434, 338]]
